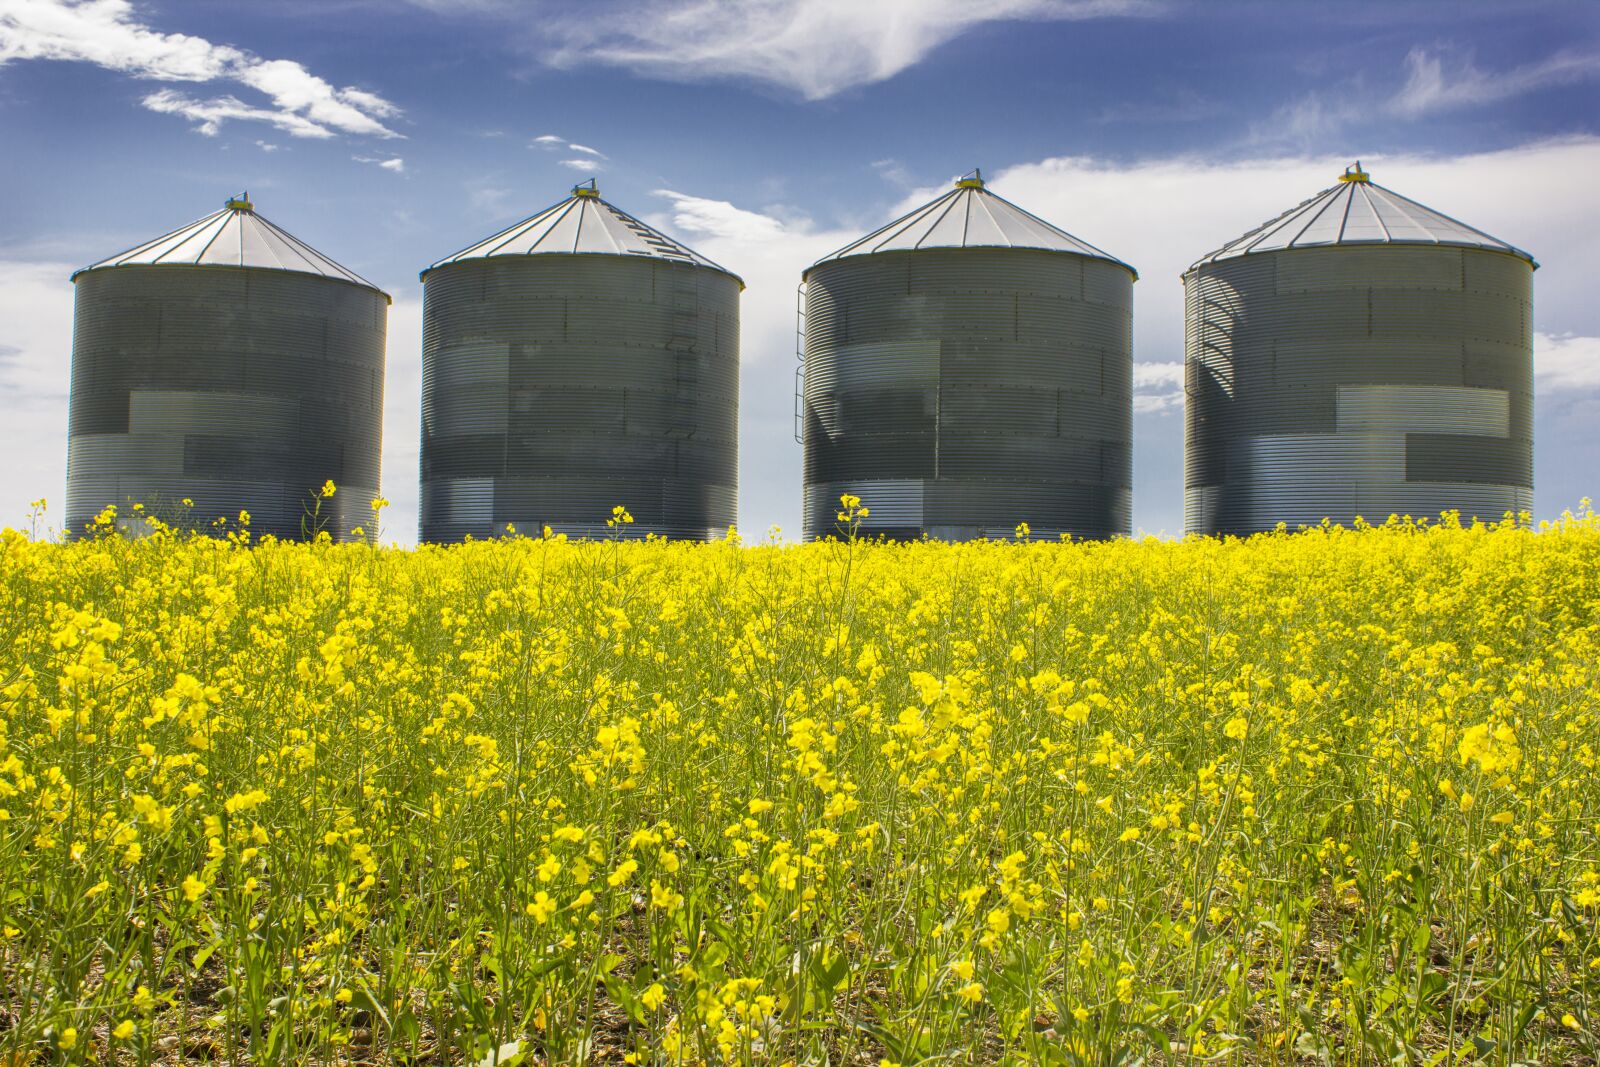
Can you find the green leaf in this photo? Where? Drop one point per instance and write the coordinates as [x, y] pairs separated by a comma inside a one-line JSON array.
[[829, 970], [200, 957]]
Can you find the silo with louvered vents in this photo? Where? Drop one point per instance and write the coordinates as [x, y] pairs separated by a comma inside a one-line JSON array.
[[1359, 355]]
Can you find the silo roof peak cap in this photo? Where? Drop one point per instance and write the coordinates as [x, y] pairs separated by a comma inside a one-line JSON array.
[[589, 190], [973, 179], [1355, 174], [239, 203]]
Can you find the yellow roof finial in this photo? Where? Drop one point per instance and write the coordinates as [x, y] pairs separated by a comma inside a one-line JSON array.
[[240, 202], [589, 190], [1355, 174], [973, 179]]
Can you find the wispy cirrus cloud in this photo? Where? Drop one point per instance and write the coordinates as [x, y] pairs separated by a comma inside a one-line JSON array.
[[1441, 80], [110, 34], [588, 160], [1185, 106], [816, 48], [1432, 81]]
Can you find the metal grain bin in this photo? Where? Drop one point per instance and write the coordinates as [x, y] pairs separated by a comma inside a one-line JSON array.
[[231, 365], [577, 361], [969, 367], [1359, 355]]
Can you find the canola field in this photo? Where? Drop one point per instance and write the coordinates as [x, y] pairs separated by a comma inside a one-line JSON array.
[[1327, 797]]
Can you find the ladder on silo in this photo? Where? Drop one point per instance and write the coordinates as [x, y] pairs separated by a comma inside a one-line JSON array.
[[800, 357], [683, 341]]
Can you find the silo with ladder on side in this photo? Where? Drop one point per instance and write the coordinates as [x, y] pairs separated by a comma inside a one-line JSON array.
[[577, 361]]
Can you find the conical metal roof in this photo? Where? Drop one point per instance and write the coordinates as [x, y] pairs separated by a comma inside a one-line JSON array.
[[583, 224], [970, 216], [1358, 211], [234, 237]]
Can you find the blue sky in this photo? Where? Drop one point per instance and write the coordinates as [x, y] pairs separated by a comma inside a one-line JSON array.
[[764, 135]]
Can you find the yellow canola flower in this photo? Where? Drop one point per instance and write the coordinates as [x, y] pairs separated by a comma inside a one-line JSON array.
[[243, 802], [653, 997], [541, 907], [757, 791], [663, 898]]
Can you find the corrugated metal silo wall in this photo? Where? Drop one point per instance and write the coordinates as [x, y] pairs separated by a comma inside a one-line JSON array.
[[960, 392], [238, 389], [555, 387], [1336, 382]]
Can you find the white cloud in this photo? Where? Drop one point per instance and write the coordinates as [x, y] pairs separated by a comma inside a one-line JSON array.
[[701, 217], [814, 47], [894, 172], [589, 160], [395, 165], [402, 403], [297, 90], [266, 146], [209, 115], [35, 357], [104, 33], [1439, 81], [1566, 363], [1313, 119], [107, 33], [1158, 386]]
